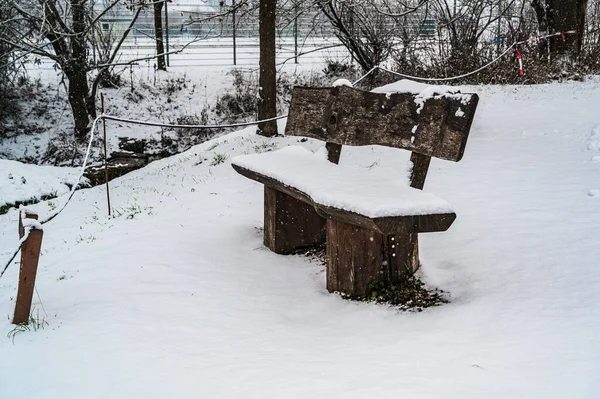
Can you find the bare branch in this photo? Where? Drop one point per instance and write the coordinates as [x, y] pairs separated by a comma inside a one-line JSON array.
[[409, 10]]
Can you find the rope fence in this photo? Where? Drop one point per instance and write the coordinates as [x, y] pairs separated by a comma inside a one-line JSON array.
[[245, 124], [55, 214], [160, 124], [88, 151], [464, 75]]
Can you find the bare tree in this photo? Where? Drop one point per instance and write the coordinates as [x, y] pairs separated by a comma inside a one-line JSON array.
[[8, 66], [369, 29], [11, 66], [471, 31], [64, 31]]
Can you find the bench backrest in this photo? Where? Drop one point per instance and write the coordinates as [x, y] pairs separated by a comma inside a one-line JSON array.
[[430, 124]]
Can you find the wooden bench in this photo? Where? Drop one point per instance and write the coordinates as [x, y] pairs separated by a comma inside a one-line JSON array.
[[369, 223]]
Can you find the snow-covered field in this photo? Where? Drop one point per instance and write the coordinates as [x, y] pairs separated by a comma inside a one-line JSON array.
[[23, 182], [175, 296]]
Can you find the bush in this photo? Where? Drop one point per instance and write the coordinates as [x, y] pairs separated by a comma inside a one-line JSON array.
[[109, 79], [172, 85], [64, 150], [338, 70], [200, 133], [241, 102]]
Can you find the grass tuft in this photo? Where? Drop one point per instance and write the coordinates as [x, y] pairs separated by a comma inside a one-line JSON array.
[[35, 323]]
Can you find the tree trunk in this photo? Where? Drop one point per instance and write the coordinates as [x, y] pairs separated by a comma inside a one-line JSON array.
[[76, 71], [78, 95], [158, 34], [561, 16], [267, 92]]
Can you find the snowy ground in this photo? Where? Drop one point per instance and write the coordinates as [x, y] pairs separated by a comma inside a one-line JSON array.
[[152, 96], [145, 94], [24, 182], [176, 296]]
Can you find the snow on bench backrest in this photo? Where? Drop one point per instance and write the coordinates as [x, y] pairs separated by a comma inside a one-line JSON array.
[[430, 123]]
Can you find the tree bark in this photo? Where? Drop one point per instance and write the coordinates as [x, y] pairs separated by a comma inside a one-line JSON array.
[[158, 34], [267, 103], [560, 16], [78, 96], [76, 71]]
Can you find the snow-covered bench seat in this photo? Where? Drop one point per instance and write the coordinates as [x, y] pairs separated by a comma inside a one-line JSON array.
[[384, 204], [369, 221]]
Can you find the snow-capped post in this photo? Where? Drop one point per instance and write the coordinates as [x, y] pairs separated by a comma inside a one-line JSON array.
[[105, 155], [30, 256]]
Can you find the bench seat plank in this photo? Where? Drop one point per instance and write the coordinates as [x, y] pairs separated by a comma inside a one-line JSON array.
[[350, 195]]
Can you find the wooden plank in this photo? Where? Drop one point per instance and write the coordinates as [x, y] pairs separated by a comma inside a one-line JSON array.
[[30, 255], [383, 225], [307, 112], [268, 181], [348, 116], [357, 256], [420, 166], [289, 223], [392, 224], [334, 151], [354, 258], [404, 250], [406, 246], [332, 252], [270, 218]]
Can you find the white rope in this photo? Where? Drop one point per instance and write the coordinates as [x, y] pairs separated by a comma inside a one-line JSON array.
[[243, 124], [365, 75], [73, 188], [160, 124], [16, 251], [464, 75], [569, 32], [87, 154]]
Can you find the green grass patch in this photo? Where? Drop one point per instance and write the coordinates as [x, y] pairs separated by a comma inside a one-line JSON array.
[[409, 295], [218, 159], [35, 323], [6, 207]]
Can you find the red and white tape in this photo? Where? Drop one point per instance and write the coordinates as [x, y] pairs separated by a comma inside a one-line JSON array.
[[520, 61], [537, 38]]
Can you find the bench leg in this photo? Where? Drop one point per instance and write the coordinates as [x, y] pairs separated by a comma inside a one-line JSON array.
[[404, 255], [290, 224], [357, 256]]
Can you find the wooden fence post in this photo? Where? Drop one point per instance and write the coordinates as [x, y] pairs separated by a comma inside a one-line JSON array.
[[30, 256]]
